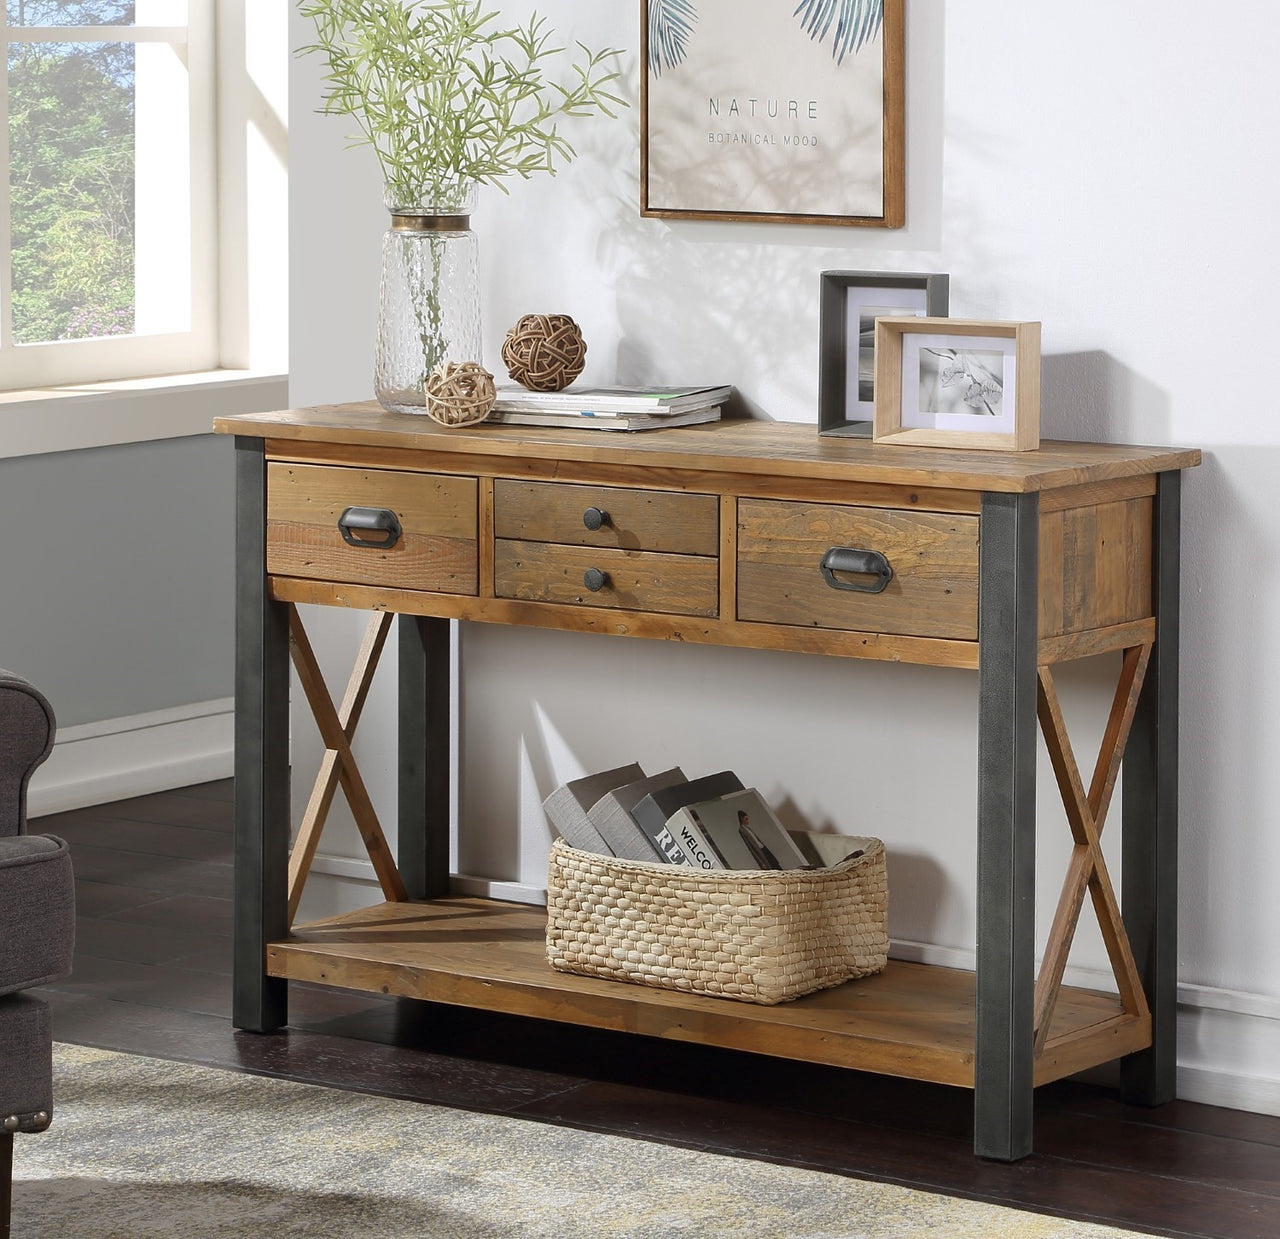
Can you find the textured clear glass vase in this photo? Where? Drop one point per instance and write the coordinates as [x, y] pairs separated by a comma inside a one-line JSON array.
[[430, 305]]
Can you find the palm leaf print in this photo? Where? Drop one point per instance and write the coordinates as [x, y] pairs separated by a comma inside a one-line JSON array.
[[671, 25], [856, 22]]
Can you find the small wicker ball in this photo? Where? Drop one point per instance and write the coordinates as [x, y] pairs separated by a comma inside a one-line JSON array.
[[545, 352], [459, 393]]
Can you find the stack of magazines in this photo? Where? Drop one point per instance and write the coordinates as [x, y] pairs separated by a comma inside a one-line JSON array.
[[610, 408]]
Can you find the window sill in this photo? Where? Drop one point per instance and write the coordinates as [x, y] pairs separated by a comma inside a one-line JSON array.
[[82, 415]]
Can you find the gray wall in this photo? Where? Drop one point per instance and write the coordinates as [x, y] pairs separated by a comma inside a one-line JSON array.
[[117, 573]]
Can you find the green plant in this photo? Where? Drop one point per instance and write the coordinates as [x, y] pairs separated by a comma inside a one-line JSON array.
[[446, 94]]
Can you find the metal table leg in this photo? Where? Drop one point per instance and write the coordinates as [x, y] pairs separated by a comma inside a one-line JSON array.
[[424, 786], [260, 1003], [1007, 634], [1149, 886]]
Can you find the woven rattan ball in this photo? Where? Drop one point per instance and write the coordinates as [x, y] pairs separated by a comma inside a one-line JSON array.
[[545, 352], [460, 393]]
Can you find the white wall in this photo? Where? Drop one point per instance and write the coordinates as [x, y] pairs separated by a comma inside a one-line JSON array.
[[1103, 174]]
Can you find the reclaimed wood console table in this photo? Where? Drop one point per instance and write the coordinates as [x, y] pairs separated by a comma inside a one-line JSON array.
[[741, 533]]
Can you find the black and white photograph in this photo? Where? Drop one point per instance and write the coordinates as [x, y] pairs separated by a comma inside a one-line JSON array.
[[867, 315], [952, 383], [961, 382]]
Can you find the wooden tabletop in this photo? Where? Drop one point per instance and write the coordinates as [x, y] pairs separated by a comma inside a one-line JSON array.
[[775, 449]]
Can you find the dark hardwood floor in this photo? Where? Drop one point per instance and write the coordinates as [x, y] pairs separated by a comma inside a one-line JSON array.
[[153, 976]]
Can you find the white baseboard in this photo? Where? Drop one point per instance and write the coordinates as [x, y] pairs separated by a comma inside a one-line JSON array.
[[95, 763], [487, 888], [355, 870]]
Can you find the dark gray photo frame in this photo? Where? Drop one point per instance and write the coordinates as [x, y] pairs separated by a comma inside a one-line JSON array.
[[844, 409]]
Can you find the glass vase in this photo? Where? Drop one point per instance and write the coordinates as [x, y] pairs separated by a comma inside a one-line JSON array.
[[430, 303]]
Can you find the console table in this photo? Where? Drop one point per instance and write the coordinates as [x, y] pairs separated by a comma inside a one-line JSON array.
[[741, 533]]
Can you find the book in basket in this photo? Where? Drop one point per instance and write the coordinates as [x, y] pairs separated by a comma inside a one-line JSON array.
[[737, 831], [566, 808], [655, 809], [612, 816]]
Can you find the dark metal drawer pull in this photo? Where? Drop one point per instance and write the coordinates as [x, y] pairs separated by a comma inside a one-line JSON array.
[[374, 520], [594, 518], [595, 580], [866, 563]]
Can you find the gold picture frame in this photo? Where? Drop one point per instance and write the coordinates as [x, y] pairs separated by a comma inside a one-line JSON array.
[[962, 383]]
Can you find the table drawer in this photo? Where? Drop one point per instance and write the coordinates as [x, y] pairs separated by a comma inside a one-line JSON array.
[[633, 580], [933, 591], [632, 519], [434, 548]]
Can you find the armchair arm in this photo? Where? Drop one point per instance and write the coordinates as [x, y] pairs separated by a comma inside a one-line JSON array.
[[37, 911], [26, 736]]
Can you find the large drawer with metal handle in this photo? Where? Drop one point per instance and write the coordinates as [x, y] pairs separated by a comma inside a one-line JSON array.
[[863, 569], [607, 546], [373, 527]]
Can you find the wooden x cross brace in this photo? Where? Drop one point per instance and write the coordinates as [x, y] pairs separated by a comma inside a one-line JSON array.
[[338, 765], [1086, 813]]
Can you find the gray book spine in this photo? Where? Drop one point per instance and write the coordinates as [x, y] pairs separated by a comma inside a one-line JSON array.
[[567, 806], [611, 815], [653, 811], [566, 815]]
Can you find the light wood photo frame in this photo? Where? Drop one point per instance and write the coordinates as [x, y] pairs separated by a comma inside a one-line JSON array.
[[964, 383]]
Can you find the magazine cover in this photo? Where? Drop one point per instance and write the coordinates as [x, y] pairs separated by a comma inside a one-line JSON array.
[[744, 834]]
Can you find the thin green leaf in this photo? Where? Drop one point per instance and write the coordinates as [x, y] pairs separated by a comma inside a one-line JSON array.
[[444, 93], [671, 25], [857, 22]]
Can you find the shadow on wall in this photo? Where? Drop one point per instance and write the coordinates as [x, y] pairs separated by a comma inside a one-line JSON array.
[[1227, 780], [1229, 732], [1091, 397], [738, 302], [919, 887]]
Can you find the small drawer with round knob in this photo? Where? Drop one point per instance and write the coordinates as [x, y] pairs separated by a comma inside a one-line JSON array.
[[596, 577], [628, 518]]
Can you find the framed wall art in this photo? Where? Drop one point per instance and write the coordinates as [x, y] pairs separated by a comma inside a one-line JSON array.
[[945, 382], [851, 301], [773, 111]]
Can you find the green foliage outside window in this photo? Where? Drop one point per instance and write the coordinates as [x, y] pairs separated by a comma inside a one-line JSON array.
[[71, 176]]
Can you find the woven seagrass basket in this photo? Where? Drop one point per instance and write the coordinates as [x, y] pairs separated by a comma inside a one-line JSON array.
[[763, 937]]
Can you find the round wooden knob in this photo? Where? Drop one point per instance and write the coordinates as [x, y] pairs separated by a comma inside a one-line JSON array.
[[595, 580], [593, 518]]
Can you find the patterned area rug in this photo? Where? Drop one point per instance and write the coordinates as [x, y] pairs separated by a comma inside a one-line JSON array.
[[143, 1148]]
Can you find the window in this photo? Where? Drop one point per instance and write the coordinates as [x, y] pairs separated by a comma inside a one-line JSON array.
[[107, 250], [143, 224]]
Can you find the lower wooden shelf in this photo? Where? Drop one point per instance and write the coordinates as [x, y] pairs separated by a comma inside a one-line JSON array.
[[912, 1020]]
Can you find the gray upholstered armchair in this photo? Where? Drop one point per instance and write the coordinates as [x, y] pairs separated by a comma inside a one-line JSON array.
[[37, 926]]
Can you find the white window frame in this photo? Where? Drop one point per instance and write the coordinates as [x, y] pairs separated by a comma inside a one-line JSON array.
[[234, 359]]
